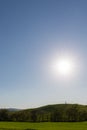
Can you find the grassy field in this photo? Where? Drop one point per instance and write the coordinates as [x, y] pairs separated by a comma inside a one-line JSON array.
[[42, 126]]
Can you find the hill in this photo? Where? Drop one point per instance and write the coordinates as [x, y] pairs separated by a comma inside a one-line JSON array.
[[49, 113]]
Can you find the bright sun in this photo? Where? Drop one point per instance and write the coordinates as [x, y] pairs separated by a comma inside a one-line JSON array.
[[63, 66]]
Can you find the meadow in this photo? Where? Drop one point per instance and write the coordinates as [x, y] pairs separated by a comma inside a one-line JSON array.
[[43, 126]]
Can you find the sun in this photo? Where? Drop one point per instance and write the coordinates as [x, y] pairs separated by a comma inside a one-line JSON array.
[[63, 66]]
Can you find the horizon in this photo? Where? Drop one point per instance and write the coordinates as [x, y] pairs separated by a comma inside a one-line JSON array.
[[43, 50], [44, 106]]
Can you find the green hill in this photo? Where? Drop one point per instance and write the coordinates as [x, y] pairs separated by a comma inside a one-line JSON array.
[[49, 113]]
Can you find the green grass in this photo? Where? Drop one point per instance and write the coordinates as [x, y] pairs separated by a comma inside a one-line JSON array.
[[42, 126]]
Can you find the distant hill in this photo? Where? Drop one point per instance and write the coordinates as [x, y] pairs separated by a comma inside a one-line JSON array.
[[49, 113], [13, 109]]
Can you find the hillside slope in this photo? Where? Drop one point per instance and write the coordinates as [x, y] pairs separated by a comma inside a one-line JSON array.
[[49, 113]]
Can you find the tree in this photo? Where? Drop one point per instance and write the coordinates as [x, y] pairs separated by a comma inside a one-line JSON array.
[[73, 113], [56, 116], [3, 115], [33, 116]]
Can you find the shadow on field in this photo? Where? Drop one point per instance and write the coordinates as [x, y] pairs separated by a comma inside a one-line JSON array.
[[30, 129], [16, 129]]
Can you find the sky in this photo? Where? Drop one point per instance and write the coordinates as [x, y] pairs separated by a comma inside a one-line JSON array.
[[32, 34]]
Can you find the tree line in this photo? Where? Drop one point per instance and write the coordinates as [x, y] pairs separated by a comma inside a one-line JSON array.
[[50, 113]]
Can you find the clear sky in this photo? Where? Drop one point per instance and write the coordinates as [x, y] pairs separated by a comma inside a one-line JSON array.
[[32, 34]]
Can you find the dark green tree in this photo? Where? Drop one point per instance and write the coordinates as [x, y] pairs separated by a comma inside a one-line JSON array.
[[73, 113], [33, 116], [3, 115], [56, 116]]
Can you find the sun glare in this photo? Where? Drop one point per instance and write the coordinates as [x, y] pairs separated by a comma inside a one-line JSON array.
[[63, 66]]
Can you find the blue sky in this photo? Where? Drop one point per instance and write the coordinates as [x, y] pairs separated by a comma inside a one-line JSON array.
[[32, 32]]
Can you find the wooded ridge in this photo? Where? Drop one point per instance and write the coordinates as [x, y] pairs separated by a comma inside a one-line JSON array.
[[49, 113]]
